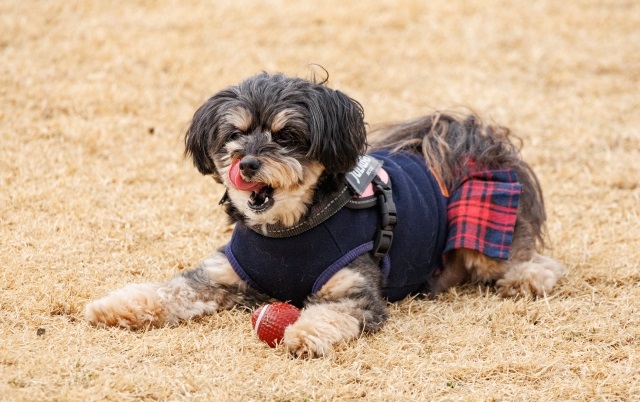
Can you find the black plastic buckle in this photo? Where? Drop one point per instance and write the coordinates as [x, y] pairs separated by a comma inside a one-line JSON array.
[[388, 215], [388, 218], [382, 245]]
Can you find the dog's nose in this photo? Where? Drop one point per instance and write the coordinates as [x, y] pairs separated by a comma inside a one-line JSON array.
[[249, 166]]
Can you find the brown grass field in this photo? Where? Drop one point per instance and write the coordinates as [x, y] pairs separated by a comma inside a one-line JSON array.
[[94, 100]]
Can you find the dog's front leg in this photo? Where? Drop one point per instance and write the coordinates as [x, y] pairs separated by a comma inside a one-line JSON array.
[[349, 304], [212, 286]]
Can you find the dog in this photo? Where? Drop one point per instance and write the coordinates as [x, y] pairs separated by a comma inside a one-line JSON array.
[[340, 222]]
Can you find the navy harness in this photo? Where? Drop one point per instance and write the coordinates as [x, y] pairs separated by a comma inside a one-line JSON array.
[[406, 233]]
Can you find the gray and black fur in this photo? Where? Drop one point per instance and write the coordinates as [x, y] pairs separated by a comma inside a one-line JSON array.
[[330, 127]]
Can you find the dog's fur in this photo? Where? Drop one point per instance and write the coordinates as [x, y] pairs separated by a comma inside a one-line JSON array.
[[299, 138]]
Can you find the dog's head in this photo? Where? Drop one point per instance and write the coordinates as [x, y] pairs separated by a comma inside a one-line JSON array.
[[270, 139]]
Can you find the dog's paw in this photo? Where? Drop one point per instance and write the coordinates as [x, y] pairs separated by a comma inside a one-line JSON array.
[[318, 329], [534, 278], [302, 343], [135, 306]]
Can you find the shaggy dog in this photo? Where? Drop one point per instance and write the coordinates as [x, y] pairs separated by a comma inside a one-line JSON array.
[[340, 226]]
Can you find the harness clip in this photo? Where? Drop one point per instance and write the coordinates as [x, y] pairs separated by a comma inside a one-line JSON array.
[[383, 242], [388, 218]]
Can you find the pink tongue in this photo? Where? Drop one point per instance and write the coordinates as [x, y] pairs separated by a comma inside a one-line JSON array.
[[237, 180]]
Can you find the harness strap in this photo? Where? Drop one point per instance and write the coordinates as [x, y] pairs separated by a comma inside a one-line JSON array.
[[322, 213]]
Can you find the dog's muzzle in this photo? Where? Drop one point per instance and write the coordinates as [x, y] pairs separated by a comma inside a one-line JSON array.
[[261, 198]]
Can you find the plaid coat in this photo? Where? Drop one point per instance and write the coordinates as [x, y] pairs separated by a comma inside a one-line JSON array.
[[481, 213]]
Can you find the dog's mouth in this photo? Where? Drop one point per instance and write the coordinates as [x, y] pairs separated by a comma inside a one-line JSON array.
[[261, 199]]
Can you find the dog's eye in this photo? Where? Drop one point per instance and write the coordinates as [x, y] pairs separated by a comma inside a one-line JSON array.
[[234, 135], [285, 137]]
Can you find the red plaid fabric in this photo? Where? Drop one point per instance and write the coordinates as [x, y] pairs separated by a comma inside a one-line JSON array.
[[481, 213]]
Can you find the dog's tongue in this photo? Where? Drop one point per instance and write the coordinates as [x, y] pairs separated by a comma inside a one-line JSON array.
[[236, 179]]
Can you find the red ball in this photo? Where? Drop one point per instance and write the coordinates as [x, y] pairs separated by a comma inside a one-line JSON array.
[[269, 321]]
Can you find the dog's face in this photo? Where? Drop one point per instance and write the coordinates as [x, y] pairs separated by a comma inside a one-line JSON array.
[[270, 139]]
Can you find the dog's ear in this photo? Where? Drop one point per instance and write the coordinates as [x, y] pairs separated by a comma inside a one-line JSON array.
[[198, 138], [201, 137], [338, 134]]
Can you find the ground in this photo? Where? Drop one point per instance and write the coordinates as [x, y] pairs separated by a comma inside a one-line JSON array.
[[94, 192]]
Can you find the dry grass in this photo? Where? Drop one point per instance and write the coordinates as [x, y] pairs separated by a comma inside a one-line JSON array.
[[94, 98]]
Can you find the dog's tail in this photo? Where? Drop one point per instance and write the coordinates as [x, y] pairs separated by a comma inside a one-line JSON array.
[[448, 141]]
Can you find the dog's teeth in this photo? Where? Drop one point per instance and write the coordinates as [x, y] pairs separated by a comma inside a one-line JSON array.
[[266, 199]]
